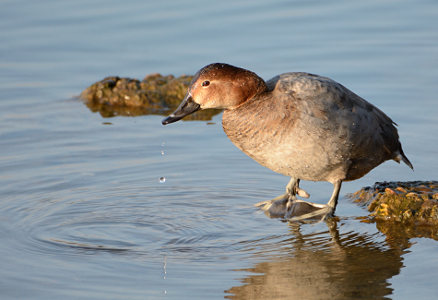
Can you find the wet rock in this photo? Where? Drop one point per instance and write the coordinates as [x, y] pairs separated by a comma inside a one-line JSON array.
[[413, 202], [401, 209], [155, 94]]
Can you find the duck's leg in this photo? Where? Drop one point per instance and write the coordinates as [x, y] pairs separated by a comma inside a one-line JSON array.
[[298, 210], [293, 187], [279, 206], [333, 202]]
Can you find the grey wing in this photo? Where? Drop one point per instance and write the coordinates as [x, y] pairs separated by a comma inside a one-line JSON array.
[[329, 106], [368, 133], [344, 123]]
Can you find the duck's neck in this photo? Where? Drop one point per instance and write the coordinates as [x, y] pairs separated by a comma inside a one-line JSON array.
[[258, 86], [251, 89]]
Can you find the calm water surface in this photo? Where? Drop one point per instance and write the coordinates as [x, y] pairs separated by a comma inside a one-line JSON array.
[[83, 214]]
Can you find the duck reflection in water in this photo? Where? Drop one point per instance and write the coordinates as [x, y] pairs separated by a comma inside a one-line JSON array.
[[322, 265]]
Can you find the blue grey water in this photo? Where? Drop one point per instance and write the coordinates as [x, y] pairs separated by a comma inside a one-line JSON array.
[[83, 214]]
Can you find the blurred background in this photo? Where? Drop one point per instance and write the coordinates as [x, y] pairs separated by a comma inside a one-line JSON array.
[[83, 212]]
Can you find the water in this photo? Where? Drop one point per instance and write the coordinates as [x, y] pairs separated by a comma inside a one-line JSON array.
[[83, 214]]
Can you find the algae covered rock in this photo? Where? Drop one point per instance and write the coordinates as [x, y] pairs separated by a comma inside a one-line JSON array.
[[155, 94], [401, 210], [413, 202]]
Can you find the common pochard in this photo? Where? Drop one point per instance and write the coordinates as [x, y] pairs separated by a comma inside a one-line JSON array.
[[301, 125]]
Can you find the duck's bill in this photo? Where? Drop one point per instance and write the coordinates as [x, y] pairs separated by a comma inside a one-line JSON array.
[[187, 107]]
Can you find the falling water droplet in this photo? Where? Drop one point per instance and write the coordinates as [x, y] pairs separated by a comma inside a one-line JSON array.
[[165, 271], [162, 179], [165, 267]]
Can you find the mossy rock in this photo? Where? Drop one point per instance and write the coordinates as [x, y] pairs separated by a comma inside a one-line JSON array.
[[413, 202], [155, 94]]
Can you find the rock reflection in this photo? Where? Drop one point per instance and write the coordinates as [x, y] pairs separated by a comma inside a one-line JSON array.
[[325, 265]]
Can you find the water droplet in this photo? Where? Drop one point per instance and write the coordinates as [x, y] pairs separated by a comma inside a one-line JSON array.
[[162, 179], [162, 152], [165, 268]]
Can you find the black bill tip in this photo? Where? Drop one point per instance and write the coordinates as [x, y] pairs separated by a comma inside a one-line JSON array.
[[187, 107], [170, 119]]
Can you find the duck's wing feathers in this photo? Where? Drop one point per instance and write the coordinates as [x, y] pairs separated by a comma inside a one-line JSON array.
[[340, 116]]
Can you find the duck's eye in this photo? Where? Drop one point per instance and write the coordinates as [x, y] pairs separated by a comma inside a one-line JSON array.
[[206, 83]]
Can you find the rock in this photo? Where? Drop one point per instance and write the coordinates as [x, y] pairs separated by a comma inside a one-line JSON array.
[[412, 204], [155, 94], [406, 202]]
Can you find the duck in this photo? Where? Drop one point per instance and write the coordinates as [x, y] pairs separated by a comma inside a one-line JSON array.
[[304, 126]]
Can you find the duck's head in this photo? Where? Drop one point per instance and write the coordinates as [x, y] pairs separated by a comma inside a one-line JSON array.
[[220, 86]]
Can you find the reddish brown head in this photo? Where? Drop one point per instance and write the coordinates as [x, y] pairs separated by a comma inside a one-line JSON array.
[[219, 86]]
